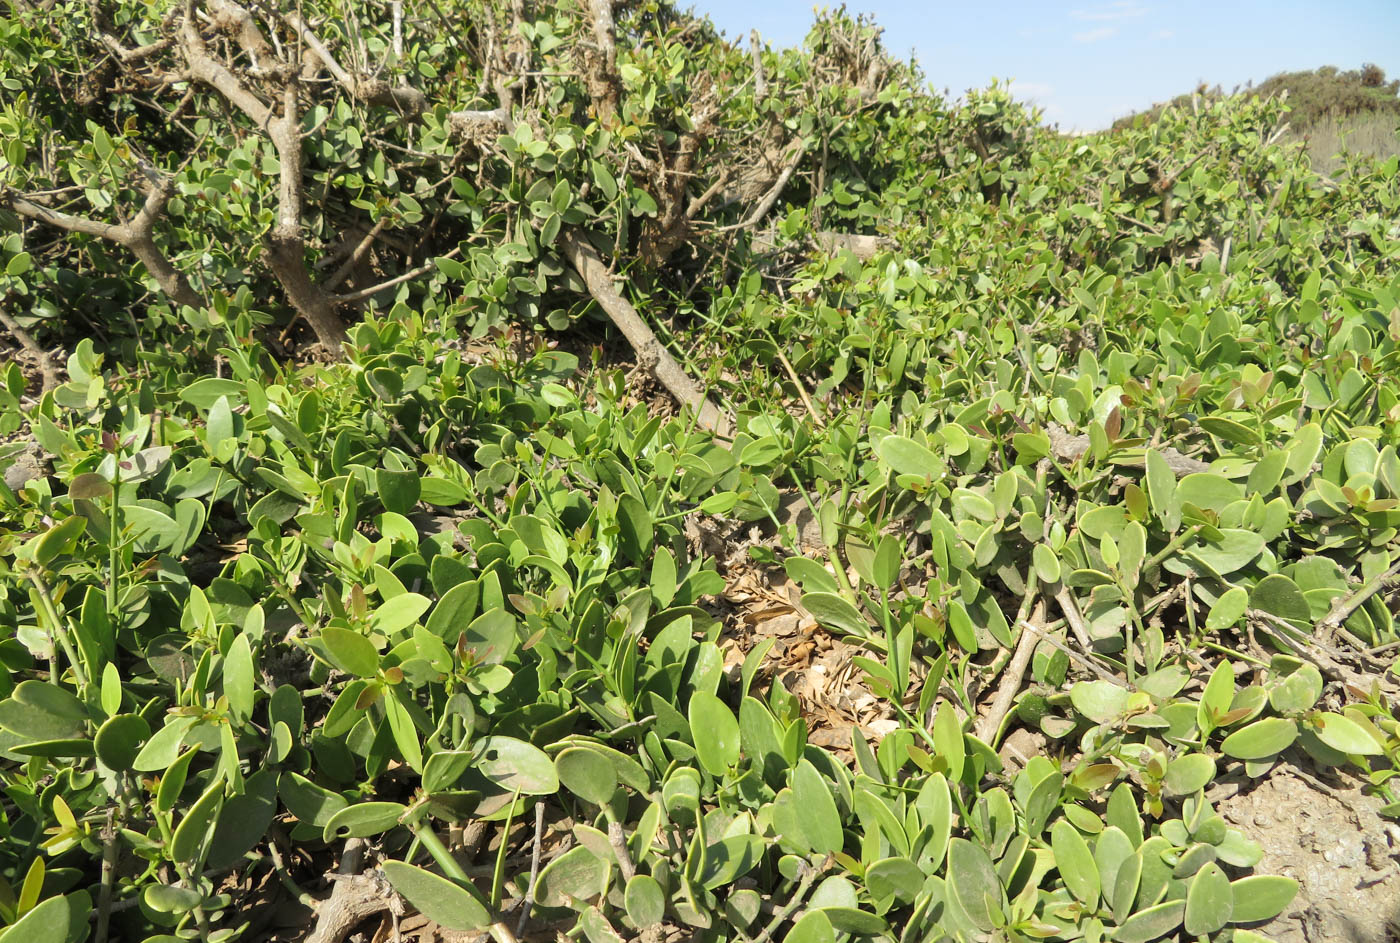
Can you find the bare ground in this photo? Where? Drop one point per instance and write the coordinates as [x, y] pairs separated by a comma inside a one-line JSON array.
[[1333, 841]]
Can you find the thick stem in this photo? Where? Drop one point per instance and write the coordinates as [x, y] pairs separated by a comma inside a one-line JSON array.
[[604, 83], [46, 364], [286, 254], [136, 236], [989, 726], [60, 631], [650, 351]]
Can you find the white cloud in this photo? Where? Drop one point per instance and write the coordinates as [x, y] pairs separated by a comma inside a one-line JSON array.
[[1111, 12], [1096, 35], [1164, 34], [1038, 92]]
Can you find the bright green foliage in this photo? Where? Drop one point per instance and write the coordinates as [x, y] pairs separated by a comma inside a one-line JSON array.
[[1133, 395]]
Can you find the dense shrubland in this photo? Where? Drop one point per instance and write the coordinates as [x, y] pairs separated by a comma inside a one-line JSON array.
[[1096, 441], [1335, 112]]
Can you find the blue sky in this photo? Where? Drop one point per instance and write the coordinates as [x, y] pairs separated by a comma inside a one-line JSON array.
[[1087, 63]]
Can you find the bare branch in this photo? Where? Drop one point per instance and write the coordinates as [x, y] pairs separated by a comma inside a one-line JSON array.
[[650, 352], [61, 220], [604, 83], [771, 197], [235, 20], [372, 91], [348, 266], [364, 293], [989, 724], [204, 68], [136, 236], [760, 82], [286, 245], [46, 364]]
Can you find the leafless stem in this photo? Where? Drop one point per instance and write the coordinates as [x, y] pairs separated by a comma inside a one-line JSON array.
[[1076, 621], [355, 256], [534, 871], [109, 873], [364, 293], [760, 81], [990, 722], [771, 197], [650, 352], [1344, 607], [46, 365], [618, 839]]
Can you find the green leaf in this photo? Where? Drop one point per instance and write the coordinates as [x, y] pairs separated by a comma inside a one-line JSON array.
[[170, 899], [516, 765], [55, 920], [1152, 923], [645, 901], [362, 820], [820, 821], [1261, 897], [1161, 488], [119, 740], [1298, 692], [309, 802], [812, 927], [578, 874], [588, 774], [1261, 739], [448, 904], [350, 651], [973, 878], [596, 928], [935, 805], [725, 861], [908, 457], [191, 835], [716, 733], [398, 490], [1278, 595], [855, 921], [164, 746], [948, 740], [405, 734], [19, 263], [1235, 549], [204, 393], [1209, 901], [492, 637], [1228, 609], [238, 678], [37, 710], [58, 539], [397, 614], [1075, 863], [836, 612], [244, 821], [1217, 697], [634, 528], [897, 878], [1344, 735], [1047, 563], [1208, 491], [455, 610], [1101, 701], [88, 486], [1187, 773]]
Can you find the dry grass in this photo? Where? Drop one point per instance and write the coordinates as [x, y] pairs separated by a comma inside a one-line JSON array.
[[1373, 134]]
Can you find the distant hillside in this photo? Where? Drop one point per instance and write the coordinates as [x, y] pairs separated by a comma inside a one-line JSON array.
[[1315, 96], [1356, 111]]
